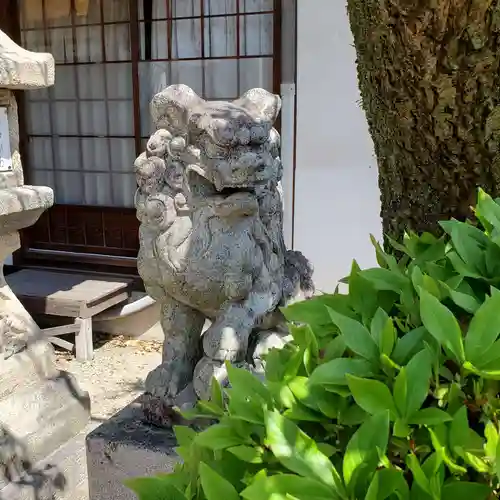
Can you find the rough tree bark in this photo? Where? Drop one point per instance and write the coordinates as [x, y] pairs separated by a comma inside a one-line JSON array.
[[430, 84]]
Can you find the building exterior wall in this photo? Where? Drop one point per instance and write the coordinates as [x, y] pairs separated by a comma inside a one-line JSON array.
[[332, 200], [337, 202]]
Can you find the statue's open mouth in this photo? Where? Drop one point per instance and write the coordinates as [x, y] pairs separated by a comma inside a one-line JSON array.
[[229, 191]]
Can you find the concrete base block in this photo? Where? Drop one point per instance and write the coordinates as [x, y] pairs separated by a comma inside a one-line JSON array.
[[125, 447], [45, 415]]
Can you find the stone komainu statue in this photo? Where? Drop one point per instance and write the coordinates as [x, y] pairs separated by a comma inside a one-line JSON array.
[[211, 236]]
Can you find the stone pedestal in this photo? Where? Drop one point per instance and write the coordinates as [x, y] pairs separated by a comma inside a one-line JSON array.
[[125, 447], [40, 407]]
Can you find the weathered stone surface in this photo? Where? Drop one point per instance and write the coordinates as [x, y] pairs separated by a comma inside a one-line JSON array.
[[125, 447], [40, 407], [210, 207], [14, 177], [22, 69]]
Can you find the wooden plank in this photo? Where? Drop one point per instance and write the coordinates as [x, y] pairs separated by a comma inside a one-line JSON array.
[[106, 304], [65, 294], [84, 343], [61, 343], [57, 307], [61, 330]]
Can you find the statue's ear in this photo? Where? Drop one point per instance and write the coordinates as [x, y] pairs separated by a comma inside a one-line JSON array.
[[170, 109], [261, 104]]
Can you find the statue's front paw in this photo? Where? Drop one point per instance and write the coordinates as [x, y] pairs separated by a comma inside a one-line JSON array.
[[225, 343], [168, 379], [163, 386]]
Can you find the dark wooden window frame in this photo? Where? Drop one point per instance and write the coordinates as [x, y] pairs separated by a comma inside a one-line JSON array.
[[118, 226]]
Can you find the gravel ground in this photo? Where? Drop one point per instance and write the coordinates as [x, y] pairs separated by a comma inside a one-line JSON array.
[[116, 375]]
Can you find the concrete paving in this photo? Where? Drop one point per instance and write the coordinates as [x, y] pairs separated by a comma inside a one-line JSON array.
[[114, 378]]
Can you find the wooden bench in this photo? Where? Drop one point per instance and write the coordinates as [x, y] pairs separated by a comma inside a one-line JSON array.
[[69, 295]]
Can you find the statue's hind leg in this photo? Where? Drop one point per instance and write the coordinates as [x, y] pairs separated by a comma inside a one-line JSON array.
[[182, 327]]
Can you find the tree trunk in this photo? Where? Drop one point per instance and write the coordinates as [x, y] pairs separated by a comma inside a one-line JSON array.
[[429, 77]]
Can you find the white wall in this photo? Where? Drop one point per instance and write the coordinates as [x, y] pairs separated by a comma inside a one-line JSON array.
[[336, 192]]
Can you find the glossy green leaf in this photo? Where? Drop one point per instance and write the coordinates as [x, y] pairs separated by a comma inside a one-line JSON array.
[[300, 413], [250, 454], [497, 461], [408, 345], [184, 435], [388, 365], [303, 392], [430, 417], [418, 374], [433, 471], [441, 324], [334, 349], [438, 439], [467, 301], [401, 428], [335, 371], [298, 452], [154, 488], [202, 410], [387, 482], [364, 450], [385, 279], [246, 382], [400, 393], [287, 486], [400, 247], [469, 242], [357, 338], [362, 294], [219, 437], [476, 462], [216, 396], [490, 360], [483, 330], [461, 490], [461, 267], [371, 395], [419, 476], [460, 431], [377, 324], [491, 435], [388, 338], [215, 486], [487, 211], [311, 312], [249, 409], [384, 260], [352, 415]]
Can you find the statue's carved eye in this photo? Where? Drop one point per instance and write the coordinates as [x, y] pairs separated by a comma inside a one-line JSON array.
[[223, 131], [243, 135], [213, 150]]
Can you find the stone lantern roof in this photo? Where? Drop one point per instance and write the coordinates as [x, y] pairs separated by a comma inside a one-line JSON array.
[[22, 69]]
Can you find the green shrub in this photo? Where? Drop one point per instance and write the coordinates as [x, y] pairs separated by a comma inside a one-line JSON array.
[[387, 392]]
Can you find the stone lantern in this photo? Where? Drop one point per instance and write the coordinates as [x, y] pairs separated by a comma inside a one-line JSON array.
[[40, 407]]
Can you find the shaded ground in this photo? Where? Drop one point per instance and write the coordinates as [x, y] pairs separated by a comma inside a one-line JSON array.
[[114, 378]]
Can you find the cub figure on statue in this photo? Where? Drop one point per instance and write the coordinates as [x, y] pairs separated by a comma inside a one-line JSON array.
[[210, 207]]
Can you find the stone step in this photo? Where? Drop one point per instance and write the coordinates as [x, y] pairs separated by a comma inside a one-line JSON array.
[[61, 476]]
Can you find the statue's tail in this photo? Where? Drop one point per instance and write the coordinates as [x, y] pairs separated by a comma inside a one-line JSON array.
[[298, 282]]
